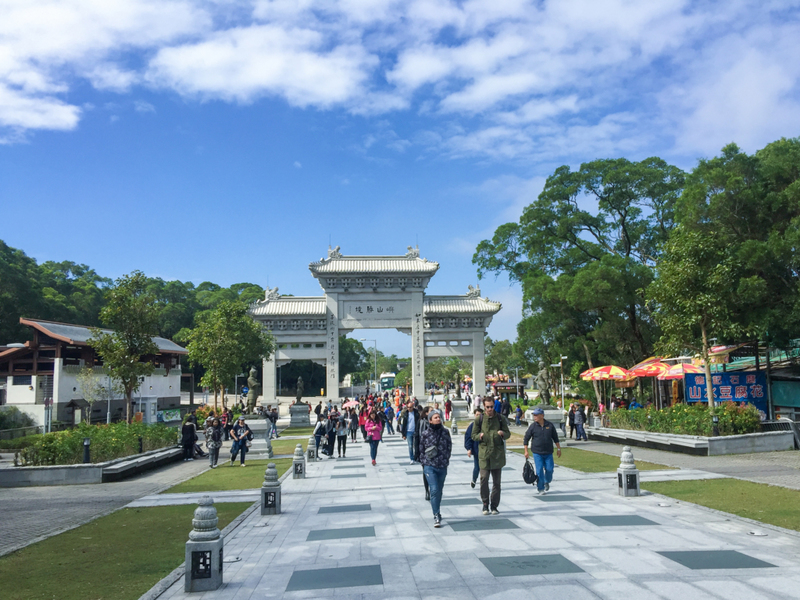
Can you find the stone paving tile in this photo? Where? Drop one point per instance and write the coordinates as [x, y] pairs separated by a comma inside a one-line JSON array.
[[419, 561]]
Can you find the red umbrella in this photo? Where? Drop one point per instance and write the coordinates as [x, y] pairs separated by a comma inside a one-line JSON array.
[[653, 369], [350, 404], [679, 370], [607, 372]]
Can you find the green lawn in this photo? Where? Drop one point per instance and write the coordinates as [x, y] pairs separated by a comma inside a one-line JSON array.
[[757, 501], [594, 462], [282, 446], [116, 557], [226, 477], [306, 431]]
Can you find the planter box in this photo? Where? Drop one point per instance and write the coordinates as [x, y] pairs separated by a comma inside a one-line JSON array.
[[113, 470], [697, 445]]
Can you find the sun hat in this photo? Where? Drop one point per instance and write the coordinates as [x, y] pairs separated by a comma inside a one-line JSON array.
[[538, 411]]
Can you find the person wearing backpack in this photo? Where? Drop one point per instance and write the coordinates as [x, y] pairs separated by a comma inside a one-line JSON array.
[[542, 435], [471, 446], [491, 432]]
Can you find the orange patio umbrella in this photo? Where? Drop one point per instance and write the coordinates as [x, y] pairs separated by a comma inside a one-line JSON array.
[[679, 370], [606, 373], [653, 369]]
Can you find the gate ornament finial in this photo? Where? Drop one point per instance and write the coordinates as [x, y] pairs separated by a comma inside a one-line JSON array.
[[271, 294], [473, 292], [412, 252], [334, 252]]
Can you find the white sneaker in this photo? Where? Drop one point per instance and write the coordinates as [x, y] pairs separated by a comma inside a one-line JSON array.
[[411, 463], [546, 487], [542, 492]]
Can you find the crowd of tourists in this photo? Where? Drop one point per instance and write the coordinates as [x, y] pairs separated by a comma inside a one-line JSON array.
[[368, 419]]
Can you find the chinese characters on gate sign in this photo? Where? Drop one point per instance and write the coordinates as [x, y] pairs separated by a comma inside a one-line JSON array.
[[368, 309]]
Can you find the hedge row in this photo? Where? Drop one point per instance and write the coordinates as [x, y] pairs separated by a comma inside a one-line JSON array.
[[689, 419], [108, 442]]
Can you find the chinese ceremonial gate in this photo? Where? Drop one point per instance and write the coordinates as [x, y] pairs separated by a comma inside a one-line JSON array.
[[374, 292]]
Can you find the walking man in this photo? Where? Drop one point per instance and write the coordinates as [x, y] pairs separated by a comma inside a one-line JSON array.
[[491, 431], [409, 425], [542, 435]]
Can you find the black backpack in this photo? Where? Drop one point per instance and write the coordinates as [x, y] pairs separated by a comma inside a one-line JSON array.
[[529, 473]]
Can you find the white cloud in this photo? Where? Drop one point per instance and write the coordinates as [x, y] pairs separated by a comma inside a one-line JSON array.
[[518, 79], [143, 107], [18, 110], [297, 164], [43, 45], [243, 64]]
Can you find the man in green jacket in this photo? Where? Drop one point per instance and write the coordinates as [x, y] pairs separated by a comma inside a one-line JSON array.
[[491, 432]]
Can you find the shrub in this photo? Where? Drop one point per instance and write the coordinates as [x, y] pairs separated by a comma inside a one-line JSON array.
[[20, 442], [13, 418], [108, 442], [689, 419]]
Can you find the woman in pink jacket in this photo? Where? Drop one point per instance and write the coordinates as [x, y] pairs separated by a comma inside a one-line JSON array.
[[373, 427]]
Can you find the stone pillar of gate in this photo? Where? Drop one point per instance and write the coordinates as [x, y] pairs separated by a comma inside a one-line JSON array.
[[332, 348], [478, 364], [417, 347], [269, 392]]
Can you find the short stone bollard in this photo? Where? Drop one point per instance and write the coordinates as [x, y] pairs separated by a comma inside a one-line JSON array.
[[628, 474], [312, 448], [299, 463], [204, 550], [271, 492], [454, 426]]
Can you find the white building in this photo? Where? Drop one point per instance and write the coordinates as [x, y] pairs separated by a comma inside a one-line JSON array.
[[44, 372]]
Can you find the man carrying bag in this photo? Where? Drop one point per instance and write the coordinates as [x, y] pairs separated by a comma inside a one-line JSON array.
[[542, 435]]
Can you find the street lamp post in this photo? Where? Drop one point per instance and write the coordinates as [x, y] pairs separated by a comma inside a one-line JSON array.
[[560, 365], [375, 364]]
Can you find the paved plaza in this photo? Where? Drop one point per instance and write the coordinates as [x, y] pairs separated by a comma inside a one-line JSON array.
[[351, 530]]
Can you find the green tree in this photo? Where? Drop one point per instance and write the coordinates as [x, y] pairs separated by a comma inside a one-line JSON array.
[[353, 357], [91, 389], [453, 370], [693, 296], [499, 355], [403, 378], [751, 204], [583, 251], [131, 314], [225, 342]]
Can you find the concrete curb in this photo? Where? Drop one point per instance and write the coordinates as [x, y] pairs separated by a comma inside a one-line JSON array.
[[176, 574]]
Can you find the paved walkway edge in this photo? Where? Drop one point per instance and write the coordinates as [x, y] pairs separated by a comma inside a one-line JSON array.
[[41, 538], [162, 586]]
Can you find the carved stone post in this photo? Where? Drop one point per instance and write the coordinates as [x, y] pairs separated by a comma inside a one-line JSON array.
[[299, 463], [627, 474], [311, 452], [204, 550], [271, 492]]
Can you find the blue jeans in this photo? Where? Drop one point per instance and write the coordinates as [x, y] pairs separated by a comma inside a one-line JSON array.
[[476, 469], [236, 447], [435, 477], [389, 427], [580, 432], [544, 469], [410, 439], [373, 448]]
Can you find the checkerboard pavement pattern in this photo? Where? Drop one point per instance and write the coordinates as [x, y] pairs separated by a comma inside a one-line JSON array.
[[552, 552]]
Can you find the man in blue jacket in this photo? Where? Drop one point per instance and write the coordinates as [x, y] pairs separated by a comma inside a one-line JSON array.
[[471, 446], [542, 435]]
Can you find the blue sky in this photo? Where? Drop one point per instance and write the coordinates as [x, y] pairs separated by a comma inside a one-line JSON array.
[[231, 140]]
